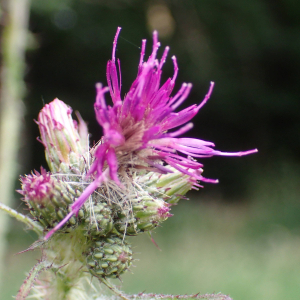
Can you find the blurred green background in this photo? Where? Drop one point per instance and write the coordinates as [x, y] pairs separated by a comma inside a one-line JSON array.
[[240, 237]]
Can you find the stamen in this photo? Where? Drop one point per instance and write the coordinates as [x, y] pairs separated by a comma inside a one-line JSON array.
[[178, 94], [163, 58], [207, 96], [142, 52], [100, 94], [115, 44], [182, 130], [175, 68], [183, 97], [240, 153]]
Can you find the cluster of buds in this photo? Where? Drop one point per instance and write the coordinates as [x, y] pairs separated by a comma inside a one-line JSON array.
[[140, 204], [92, 199]]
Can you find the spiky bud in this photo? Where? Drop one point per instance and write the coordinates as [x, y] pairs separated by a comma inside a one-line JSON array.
[[98, 220], [49, 198], [141, 213], [65, 142], [109, 257], [171, 186]]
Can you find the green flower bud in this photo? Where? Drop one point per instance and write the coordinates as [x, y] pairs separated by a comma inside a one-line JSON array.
[[49, 199], [109, 257], [141, 213], [171, 187], [98, 221]]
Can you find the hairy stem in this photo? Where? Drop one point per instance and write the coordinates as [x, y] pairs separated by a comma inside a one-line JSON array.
[[170, 296], [31, 278], [24, 219], [113, 288]]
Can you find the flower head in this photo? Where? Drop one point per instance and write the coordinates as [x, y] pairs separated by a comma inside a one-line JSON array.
[[136, 129], [37, 187]]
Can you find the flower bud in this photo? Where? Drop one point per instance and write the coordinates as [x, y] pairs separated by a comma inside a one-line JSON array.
[[64, 141], [141, 213], [98, 221], [49, 199], [171, 186], [109, 257]]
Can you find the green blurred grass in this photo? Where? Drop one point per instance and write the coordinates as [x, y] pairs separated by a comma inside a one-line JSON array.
[[205, 249], [249, 251]]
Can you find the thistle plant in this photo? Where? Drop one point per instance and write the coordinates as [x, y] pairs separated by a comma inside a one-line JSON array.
[[84, 208]]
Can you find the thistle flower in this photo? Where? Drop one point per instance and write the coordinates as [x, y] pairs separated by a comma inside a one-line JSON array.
[[64, 140], [136, 135], [136, 128]]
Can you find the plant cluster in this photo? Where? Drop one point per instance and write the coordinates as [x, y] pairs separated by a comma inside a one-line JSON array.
[[93, 198]]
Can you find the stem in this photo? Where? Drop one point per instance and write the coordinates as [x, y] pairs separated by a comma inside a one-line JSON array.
[[26, 220], [31, 278], [113, 288], [194, 296]]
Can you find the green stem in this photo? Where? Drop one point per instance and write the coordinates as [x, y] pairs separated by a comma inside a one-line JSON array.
[[113, 288], [186, 297], [26, 220], [31, 278]]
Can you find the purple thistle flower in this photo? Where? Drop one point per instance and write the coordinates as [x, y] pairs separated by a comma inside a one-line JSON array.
[[136, 129], [139, 124], [37, 186]]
